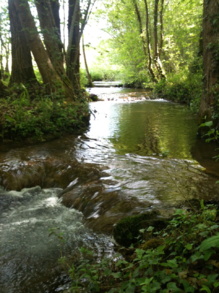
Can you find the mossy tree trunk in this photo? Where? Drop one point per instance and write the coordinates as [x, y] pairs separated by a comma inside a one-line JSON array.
[[73, 51], [3, 89], [158, 37], [77, 20], [50, 27], [146, 41], [89, 78], [22, 66], [209, 107], [51, 34], [152, 39], [50, 68], [49, 52]]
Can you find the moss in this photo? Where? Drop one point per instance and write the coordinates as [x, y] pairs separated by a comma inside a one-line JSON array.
[[127, 230], [152, 243]]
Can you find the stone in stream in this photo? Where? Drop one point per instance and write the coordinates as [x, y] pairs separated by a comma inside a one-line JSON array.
[[102, 208], [128, 230]]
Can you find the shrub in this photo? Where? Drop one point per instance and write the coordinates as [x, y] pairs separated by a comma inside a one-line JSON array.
[[22, 117], [182, 89]]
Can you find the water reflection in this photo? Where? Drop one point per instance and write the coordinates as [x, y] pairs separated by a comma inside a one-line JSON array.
[[155, 128]]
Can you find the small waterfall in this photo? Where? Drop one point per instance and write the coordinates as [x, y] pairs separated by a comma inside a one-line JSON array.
[[35, 231]]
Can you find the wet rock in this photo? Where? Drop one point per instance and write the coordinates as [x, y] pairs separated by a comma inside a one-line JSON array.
[[127, 231], [93, 97], [46, 171], [102, 208]]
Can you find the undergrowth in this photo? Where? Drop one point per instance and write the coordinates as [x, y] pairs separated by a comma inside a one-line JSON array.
[[183, 257], [181, 89], [23, 117]]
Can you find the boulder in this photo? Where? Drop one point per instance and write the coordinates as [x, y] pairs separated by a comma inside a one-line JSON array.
[[129, 230]]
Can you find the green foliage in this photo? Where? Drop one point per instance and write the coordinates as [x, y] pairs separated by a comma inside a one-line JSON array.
[[212, 242], [180, 45], [22, 117], [104, 73], [183, 88], [186, 261], [129, 229], [83, 78], [211, 132]]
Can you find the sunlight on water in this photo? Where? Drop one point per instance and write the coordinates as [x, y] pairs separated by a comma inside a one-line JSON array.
[[146, 128], [147, 148]]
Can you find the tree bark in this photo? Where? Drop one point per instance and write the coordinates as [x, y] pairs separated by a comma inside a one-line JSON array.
[[140, 25], [76, 24], [73, 51], [157, 60], [148, 43], [160, 44], [55, 6], [90, 82], [51, 79], [210, 99], [145, 41], [3, 89], [49, 18], [22, 67]]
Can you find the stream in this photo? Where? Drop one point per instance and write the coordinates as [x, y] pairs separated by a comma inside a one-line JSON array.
[[55, 197]]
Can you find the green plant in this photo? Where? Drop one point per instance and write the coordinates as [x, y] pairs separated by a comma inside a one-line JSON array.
[[182, 87], [211, 133], [94, 276], [186, 260], [23, 118]]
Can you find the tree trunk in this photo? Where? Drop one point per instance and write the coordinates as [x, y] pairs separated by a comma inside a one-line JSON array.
[[51, 78], [49, 17], [210, 99], [55, 6], [148, 43], [160, 44], [22, 67], [145, 41], [90, 82], [157, 60], [3, 89], [73, 51], [77, 21]]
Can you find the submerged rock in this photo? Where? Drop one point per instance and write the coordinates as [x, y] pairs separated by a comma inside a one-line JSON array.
[[102, 208]]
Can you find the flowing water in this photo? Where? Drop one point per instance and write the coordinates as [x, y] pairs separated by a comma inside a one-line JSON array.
[[150, 148], [137, 155]]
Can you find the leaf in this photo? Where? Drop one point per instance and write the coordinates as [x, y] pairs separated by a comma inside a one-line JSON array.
[[208, 124], [116, 275], [189, 246], [172, 286], [150, 229], [216, 284], [210, 243], [206, 289]]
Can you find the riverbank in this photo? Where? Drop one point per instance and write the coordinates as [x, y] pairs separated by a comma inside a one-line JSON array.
[[183, 257], [41, 119]]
